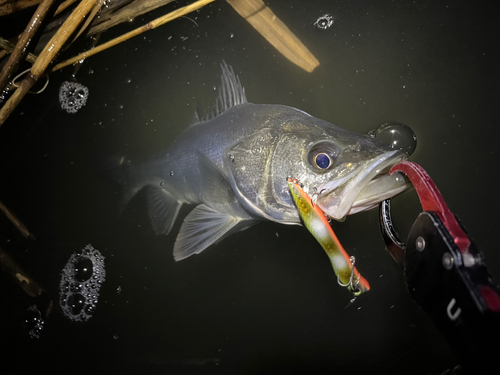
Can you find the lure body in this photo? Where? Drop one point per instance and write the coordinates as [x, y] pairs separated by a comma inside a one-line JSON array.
[[315, 221]]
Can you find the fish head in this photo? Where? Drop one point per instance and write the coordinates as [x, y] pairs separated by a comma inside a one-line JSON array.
[[343, 171]]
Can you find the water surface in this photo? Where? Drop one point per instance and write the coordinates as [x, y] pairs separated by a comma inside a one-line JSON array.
[[266, 298]]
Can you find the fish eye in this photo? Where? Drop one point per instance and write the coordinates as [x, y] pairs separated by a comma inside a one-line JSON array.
[[322, 155], [322, 161]]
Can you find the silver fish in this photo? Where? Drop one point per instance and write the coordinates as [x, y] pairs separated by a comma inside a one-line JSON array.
[[234, 164]]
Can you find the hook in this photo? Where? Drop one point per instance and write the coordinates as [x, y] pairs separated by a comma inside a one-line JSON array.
[[352, 284]]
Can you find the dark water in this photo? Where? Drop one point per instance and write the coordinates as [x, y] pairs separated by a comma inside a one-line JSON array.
[[265, 299]]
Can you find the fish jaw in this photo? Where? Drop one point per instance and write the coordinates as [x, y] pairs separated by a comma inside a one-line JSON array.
[[364, 189]]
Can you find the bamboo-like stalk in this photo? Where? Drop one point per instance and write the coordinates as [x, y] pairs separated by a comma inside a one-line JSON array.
[[8, 265], [106, 13], [90, 18], [128, 12], [276, 32], [46, 56], [12, 6], [17, 223], [8, 47], [63, 6], [149, 26], [22, 44]]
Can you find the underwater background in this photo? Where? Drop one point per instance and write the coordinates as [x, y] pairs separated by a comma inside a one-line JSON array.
[[265, 299]]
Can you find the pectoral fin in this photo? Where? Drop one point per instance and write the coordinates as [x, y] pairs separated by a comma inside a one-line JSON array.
[[216, 187], [203, 227], [163, 209]]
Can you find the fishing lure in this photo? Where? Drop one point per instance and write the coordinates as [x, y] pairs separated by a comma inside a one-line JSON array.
[[315, 221]]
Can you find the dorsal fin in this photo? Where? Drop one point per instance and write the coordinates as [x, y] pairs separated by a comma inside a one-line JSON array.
[[231, 94]]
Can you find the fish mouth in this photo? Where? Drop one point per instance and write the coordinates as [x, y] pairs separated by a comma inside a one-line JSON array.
[[364, 188]]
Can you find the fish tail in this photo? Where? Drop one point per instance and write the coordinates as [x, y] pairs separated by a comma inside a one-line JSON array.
[[163, 205], [123, 172]]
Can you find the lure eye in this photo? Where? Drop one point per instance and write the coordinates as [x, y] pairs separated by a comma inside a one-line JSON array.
[[322, 161], [321, 156]]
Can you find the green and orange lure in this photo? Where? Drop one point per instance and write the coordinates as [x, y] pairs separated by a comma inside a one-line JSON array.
[[315, 221]]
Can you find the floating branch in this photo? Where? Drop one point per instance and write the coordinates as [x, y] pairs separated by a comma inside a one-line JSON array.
[[17, 223], [46, 56], [12, 6], [107, 13], [8, 47], [254, 11], [9, 266], [90, 18], [20, 50], [149, 26], [63, 6], [276, 32], [125, 14]]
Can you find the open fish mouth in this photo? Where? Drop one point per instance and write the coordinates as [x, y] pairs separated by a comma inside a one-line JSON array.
[[364, 188]]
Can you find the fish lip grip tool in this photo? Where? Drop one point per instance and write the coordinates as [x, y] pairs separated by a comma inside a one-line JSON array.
[[446, 274]]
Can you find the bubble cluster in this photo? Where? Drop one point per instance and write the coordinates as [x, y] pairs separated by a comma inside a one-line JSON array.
[[399, 136], [34, 322], [72, 96], [324, 22], [81, 280]]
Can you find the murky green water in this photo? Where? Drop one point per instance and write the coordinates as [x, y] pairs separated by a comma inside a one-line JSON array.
[[265, 299]]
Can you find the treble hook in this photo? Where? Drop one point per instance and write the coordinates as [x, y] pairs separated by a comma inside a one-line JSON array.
[[315, 192], [295, 180], [353, 284]]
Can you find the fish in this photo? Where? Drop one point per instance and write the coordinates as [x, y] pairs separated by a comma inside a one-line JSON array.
[[233, 164], [315, 221]]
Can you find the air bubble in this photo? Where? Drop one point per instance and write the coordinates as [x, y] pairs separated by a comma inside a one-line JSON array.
[[83, 268], [89, 309], [80, 94], [76, 302], [324, 22], [82, 276], [171, 173], [397, 135], [256, 150], [75, 288], [72, 96]]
